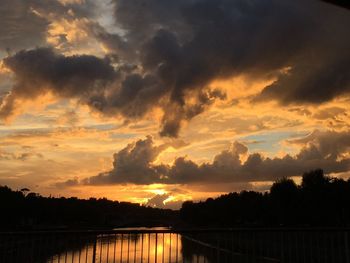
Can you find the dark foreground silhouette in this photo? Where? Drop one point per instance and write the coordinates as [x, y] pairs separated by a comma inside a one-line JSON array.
[[319, 201], [21, 211]]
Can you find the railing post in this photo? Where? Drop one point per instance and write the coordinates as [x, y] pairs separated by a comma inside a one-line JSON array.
[[163, 251], [169, 247], [177, 247], [149, 247], [135, 243], [121, 248], [218, 248], [346, 244], [128, 255], [282, 246], [94, 251], [156, 256], [142, 248]]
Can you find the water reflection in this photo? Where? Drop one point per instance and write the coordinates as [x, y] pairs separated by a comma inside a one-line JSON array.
[[161, 247]]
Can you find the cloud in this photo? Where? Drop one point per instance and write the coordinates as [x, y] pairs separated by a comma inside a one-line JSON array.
[[189, 43], [164, 201], [330, 113], [68, 183], [314, 80], [24, 23], [20, 26], [42, 70], [157, 200], [329, 144], [164, 54], [24, 156], [135, 163]]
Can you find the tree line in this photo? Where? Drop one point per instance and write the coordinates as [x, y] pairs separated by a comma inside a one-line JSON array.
[[23, 210], [319, 200]]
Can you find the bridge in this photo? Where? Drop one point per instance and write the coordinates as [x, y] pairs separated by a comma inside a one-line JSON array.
[[178, 245]]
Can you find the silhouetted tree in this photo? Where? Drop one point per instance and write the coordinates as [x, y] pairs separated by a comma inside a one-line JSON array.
[[318, 201], [20, 211]]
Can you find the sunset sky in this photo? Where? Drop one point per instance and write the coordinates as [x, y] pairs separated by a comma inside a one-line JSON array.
[[161, 101]]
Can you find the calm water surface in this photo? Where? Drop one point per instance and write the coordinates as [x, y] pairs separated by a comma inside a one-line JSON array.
[[129, 248]]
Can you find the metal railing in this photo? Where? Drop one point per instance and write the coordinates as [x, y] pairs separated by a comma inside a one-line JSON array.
[[186, 245]]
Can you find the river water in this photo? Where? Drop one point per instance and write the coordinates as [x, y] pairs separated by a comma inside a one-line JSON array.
[[160, 247]]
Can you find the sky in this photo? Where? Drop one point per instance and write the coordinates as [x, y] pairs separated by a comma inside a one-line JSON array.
[[161, 101]]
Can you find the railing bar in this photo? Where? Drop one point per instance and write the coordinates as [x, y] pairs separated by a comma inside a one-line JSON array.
[[156, 247], [101, 248], [296, 247], [318, 246], [94, 250], [211, 251], [304, 247], [128, 256], [135, 249], [177, 247], [264, 245], [282, 246], [121, 249], [87, 253], [33, 249], [239, 248], [37, 245], [141, 247], [66, 256], [218, 250], [149, 247], [37, 248], [324, 247], [59, 253], [170, 247], [346, 245], [108, 239], [232, 241], [289, 246], [227, 245], [163, 250], [332, 254], [80, 248], [13, 248], [340, 246], [72, 252], [114, 247], [51, 248]]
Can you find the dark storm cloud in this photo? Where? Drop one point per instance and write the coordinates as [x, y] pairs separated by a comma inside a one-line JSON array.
[[170, 51], [186, 44], [24, 22], [329, 143], [135, 163], [42, 70], [20, 27], [314, 81]]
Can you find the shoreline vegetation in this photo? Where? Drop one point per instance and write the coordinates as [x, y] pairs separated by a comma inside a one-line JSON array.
[[319, 201]]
